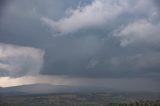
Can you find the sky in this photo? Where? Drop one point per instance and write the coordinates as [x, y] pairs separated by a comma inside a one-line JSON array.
[[105, 43]]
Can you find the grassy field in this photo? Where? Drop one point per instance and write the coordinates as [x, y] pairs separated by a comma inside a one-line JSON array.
[[84, 99]]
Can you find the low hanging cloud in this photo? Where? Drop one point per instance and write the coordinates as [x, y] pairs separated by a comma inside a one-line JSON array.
[[16, 61], [122, 84], [146, 63]]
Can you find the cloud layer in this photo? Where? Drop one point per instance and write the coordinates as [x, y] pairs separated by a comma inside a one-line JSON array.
[[135, 84], [99, 39], [130, 23]]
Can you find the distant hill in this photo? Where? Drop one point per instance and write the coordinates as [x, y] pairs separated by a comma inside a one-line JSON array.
[[1, 88], [47, 88]]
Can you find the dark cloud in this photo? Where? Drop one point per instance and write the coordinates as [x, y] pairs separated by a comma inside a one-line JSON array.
[[157, 2], [89, 52], [2, 5]]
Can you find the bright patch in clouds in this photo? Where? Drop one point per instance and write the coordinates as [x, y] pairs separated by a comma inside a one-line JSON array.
[[141, 32], [98, 13], [103, 13], [18, 61]]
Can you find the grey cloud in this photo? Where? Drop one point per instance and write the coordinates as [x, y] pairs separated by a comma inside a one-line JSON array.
[[157, 2], [88, 51], [3, 4], [147, 63], [71, 54], [21, 22]]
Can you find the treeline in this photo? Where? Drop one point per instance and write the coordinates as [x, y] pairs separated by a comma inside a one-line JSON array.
[[141, 103]]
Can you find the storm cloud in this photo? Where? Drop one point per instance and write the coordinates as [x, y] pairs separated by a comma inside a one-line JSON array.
[[81, 39]]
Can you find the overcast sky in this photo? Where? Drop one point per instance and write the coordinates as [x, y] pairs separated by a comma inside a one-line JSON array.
[[111, 43]]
